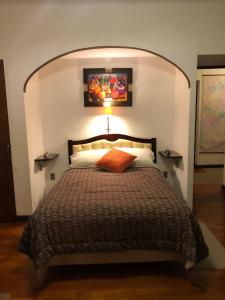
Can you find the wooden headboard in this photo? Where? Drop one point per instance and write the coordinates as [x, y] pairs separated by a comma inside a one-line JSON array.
[[112, 138]]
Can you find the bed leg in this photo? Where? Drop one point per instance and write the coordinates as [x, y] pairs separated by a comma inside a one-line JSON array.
[[40, 277]]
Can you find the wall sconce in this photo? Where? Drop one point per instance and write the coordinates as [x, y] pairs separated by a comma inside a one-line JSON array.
[[107, 111]]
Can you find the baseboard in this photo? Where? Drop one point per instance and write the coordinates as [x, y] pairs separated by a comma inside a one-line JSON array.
[[16, 219], [208, 166], [21, 218]]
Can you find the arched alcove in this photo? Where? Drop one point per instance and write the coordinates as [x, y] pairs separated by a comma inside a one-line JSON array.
[[55, 110], [103, 48]]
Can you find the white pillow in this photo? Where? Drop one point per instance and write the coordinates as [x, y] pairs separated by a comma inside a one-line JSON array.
[[144, 158], [87, 158]]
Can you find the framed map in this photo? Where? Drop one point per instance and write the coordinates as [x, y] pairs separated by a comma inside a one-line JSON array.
[[212, 120]]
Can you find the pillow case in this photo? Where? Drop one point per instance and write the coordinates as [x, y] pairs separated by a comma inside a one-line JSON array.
[[116, 161], [87, 158], [145, 156]]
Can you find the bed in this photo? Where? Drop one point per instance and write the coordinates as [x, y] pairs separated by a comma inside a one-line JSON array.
[[94, 216]]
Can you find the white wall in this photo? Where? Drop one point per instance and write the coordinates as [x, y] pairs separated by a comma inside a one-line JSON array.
[[38, 31], [181, 116], [155, 111], [35, 138]]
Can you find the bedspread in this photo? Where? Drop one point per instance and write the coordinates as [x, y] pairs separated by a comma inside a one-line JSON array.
[[90, 210]]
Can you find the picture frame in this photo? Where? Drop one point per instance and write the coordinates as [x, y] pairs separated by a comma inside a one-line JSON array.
[[212, 117], [210, 131], [101, 84]]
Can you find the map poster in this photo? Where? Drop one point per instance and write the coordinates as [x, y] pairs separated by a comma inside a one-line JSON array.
[[212, 126]]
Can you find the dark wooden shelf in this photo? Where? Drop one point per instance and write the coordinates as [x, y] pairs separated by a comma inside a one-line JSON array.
[[173, 155], [42, 159]]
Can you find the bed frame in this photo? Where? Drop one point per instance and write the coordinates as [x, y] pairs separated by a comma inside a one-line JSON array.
[[127, 256], [113, 138]]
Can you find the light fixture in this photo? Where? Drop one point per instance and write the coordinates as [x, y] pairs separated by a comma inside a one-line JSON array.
[[107, 111]]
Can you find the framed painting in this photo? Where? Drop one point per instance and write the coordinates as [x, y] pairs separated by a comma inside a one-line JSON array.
[[102, 84], [212, 122]]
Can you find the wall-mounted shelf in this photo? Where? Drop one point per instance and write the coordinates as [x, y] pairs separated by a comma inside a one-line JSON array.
[[42, 160], [172, 155]]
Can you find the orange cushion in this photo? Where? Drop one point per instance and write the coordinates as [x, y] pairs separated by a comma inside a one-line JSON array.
[[116, 161]]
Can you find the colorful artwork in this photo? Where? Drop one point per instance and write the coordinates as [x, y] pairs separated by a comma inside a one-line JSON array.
[[212, 128], [103, 85]]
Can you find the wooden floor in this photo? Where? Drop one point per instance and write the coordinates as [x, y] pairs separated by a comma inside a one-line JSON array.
[[155, 281]]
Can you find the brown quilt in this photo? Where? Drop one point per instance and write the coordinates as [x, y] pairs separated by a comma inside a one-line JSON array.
[[90, 210]]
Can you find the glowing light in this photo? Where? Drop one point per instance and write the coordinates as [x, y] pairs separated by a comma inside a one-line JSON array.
[[107, 106]]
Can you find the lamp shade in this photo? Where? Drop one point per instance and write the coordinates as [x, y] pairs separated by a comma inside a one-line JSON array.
[[107, 107], [108, 110]]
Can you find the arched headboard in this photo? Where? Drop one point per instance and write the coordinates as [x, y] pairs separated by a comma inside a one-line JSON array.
[[113, 138]]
